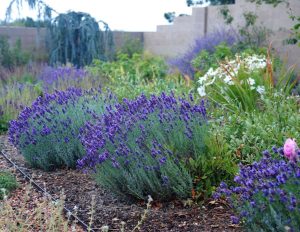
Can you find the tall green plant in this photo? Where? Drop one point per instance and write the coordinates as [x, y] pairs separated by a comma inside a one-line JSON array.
[[76, 37], [10, 57]]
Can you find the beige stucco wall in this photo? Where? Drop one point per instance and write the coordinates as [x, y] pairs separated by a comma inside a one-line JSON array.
[[173, 40], [32, 40]]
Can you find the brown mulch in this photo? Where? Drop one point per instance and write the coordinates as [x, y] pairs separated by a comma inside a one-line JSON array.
[[79, 189], [25, 202]]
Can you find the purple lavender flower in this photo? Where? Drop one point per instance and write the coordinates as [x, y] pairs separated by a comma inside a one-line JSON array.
[[209, 42], [264, 189], [49, 129], [148, 136]]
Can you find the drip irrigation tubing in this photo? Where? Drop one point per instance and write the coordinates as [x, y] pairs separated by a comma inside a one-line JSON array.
[[40, 189]]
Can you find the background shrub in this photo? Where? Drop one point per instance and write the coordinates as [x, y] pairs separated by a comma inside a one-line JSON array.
[[129, 77], [13, 97], [18, 88], [64, 77], [47, 132], [131, 46], [139, 67], [142, 146], [12, 57], [184, 63]]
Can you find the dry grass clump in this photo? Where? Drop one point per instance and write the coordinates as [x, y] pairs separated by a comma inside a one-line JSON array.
[[28, 210]]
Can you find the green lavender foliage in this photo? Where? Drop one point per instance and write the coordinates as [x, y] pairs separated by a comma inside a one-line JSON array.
[[136, 183]]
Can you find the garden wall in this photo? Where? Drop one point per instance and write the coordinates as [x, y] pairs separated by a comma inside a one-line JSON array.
[[172, 40], [33, 40]]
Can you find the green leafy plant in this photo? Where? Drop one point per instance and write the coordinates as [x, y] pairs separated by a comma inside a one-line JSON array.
[[224, 11], [249, 133], [142, 73], [131, 46], [8, 183], [10, 57], [206, 60], [216, 164]]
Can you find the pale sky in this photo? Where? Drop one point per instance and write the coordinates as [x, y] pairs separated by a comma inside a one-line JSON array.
[[125, 15]]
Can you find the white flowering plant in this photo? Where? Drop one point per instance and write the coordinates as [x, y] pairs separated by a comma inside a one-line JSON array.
[[239, 83]]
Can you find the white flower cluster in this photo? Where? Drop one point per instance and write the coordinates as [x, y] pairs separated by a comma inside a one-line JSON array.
[[230, 69]]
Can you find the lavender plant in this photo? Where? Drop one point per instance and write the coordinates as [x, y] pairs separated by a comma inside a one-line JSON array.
[[47, 132], [13, 97], [184, 63], [18, 88], [64, 77], [267, 193], [140, 148]]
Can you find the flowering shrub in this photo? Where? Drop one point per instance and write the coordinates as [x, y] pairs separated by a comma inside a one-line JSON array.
[[206, 60], [140, 147], [236, 83], [184, 63], [128, 77], [267, 194], [139, 67], [47, 132], [13, 97], [61, 78]]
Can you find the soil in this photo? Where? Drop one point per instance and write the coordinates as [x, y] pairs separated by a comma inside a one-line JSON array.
[[79, 189]]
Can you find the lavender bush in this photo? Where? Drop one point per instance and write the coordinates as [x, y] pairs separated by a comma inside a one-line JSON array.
[[13, 97], [140, 147], [267, 193], [184, 63], [47, 132], [61, 78]]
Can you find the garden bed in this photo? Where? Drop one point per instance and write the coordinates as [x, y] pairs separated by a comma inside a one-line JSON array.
[[79, 189], [29, 207]]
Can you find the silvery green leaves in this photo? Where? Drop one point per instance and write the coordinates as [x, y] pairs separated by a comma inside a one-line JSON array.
[[47, 132], [140, 147]]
